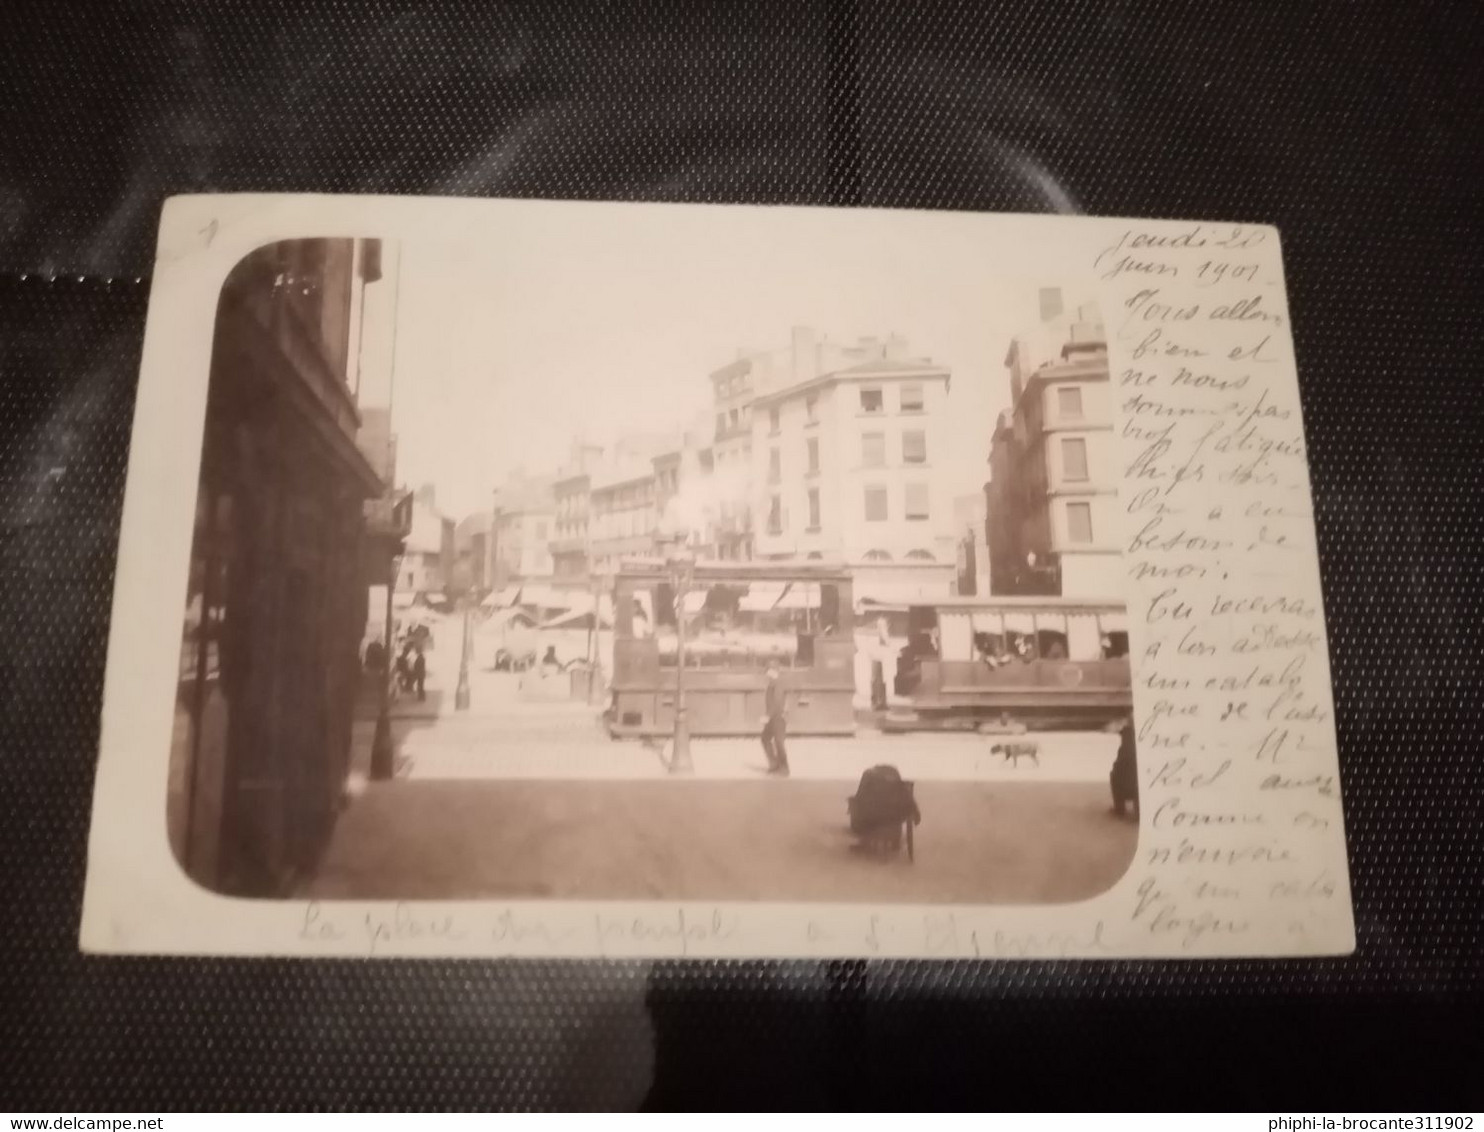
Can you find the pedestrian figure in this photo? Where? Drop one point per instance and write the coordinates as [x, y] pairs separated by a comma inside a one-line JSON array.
[[404, 667], [774, 726], [1124, 778], [419, 672]]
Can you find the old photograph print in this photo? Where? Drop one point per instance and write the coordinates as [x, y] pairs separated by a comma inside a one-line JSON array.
[[731, 572]]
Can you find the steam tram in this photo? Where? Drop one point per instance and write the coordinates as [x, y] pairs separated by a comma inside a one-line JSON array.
[[1042, 662], [728, 620]]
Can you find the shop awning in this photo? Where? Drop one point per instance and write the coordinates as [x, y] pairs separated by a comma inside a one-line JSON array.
[[502, 598], [761, 597], [503, 618]]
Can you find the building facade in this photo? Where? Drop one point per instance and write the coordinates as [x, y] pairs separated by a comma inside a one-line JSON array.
[[571, 506], [430, 549], [277, 594], [471, 553], [571, 502], [1053, 525], [850, 465], [624, 515], [733, 387], [524, 519]]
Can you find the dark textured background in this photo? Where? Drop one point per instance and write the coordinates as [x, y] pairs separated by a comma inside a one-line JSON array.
[[1355, 127]]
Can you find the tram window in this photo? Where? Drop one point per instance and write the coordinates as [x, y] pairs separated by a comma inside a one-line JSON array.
[[804, 657], [1051, 645], [1115, 645], [991, 647], [1023, 646], [664, 605], [643, 615], [829, 610]]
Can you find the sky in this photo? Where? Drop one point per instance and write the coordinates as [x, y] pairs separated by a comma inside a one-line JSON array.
[[512, 341]]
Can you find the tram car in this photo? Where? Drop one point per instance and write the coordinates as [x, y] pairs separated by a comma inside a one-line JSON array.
[[1037, 662], [709, 634]]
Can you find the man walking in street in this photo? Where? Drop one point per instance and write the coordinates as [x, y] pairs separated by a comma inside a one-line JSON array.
[[419, 672], [774, 726]]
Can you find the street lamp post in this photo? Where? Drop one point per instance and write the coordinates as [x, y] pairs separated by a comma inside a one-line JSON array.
[[464, 588], [461, 693], [595, 643], [382, 762], [682, 574]]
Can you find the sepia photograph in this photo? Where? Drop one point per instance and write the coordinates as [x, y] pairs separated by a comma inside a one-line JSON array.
[[608, 569]]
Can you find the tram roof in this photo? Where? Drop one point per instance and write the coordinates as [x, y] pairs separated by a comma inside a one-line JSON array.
[[989, 604], [809, 570]]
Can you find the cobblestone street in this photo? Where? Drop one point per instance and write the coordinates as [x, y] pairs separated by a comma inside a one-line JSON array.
[[524, 796]]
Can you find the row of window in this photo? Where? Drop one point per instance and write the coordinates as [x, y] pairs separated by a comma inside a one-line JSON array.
[[733, 386], [623, 524], [873, 453], [1079, 523], [623, 498], [1069, 402], [732, 421], [1073, 458], [910, 399], [916, 506]]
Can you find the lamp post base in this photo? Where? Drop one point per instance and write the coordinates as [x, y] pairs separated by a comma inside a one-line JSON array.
[[382, 763], [680, 760]]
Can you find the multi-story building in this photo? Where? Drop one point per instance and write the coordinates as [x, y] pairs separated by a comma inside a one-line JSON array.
[[572, 499], [378, 443], [733, 387], [277, 586], [571, 506], [689, 502], [521, 530], [624, 517], [430, 549], [850, 464], [971, 518], [471, 552], [1052, 497]]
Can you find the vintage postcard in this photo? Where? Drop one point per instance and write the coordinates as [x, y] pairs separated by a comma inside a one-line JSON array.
[[537, 578]]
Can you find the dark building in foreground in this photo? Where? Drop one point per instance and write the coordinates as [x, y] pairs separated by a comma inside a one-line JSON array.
[[277, 598]]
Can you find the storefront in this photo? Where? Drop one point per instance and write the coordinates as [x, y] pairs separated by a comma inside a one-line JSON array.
[[277, 598]]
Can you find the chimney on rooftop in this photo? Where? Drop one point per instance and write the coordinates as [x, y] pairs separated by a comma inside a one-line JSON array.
[[1051, 303], [805, 354]]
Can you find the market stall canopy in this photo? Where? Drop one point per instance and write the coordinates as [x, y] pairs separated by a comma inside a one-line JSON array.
[[577, 619], [544, 597], [502, 598], [508, 618]]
